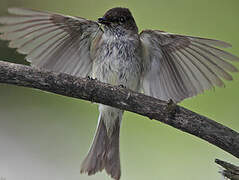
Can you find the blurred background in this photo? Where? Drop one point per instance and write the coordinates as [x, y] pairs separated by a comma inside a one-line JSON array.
[[44, 136]]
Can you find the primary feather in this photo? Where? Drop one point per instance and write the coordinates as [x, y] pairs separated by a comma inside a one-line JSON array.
[[178, 67], [52, 41]]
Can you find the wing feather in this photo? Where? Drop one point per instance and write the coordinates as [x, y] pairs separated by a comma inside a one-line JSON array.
[[216, 68], [217, 59], [187, 75], [52, 41], [202, 78], [27, 12], [178, 67]]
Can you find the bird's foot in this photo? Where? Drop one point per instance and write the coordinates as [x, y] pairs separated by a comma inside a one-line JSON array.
[[171, 106], [91, 78], [122, 86]]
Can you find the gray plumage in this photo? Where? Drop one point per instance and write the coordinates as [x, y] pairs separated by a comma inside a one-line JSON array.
[[163, 65]]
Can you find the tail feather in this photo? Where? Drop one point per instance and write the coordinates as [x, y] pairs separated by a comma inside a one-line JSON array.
[[104, 152], [112, 166]]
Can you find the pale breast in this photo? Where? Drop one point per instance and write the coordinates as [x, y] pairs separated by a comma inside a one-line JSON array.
[[118, 61]]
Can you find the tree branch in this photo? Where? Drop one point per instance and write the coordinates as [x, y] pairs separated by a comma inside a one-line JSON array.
[[230, 171], [95, 91]]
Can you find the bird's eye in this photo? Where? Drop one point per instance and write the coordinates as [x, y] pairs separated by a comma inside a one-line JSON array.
[[122, 19]]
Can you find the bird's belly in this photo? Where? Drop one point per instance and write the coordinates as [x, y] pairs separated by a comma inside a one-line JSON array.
[[117, 70]]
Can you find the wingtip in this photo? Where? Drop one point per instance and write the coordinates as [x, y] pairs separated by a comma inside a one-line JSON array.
[[25, 11], [227, 45], [14, 10], [223, 44], [233, 57], [235, 69], [2, 37], [4, 20]]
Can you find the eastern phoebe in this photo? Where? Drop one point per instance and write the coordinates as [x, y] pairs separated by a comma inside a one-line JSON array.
[[162, 65]]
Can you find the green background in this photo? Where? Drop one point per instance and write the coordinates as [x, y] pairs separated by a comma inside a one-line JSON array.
[[44, 136]]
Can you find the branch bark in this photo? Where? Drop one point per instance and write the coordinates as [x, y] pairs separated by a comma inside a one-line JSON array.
[[230, 171], [119, 97]]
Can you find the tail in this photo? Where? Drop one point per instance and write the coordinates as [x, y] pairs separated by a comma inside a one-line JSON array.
[[104, 152]]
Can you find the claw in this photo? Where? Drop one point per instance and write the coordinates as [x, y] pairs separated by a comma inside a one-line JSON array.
[[91, 78], [171, 106], [122, 86], [128, 96]]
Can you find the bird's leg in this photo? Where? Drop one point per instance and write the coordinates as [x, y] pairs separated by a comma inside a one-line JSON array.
[[92, 91]]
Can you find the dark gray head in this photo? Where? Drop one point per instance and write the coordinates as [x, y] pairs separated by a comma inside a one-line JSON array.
[[119, 17]]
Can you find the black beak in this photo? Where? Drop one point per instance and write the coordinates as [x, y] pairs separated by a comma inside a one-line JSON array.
[[103, 20]]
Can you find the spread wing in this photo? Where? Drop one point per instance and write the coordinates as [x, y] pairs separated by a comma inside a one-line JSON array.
[[51, 41], [177, 66]]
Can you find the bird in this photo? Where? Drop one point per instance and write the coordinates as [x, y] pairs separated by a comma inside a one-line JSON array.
[[160, 64]]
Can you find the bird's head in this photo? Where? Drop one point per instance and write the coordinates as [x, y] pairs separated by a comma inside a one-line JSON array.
[[119, 18]]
